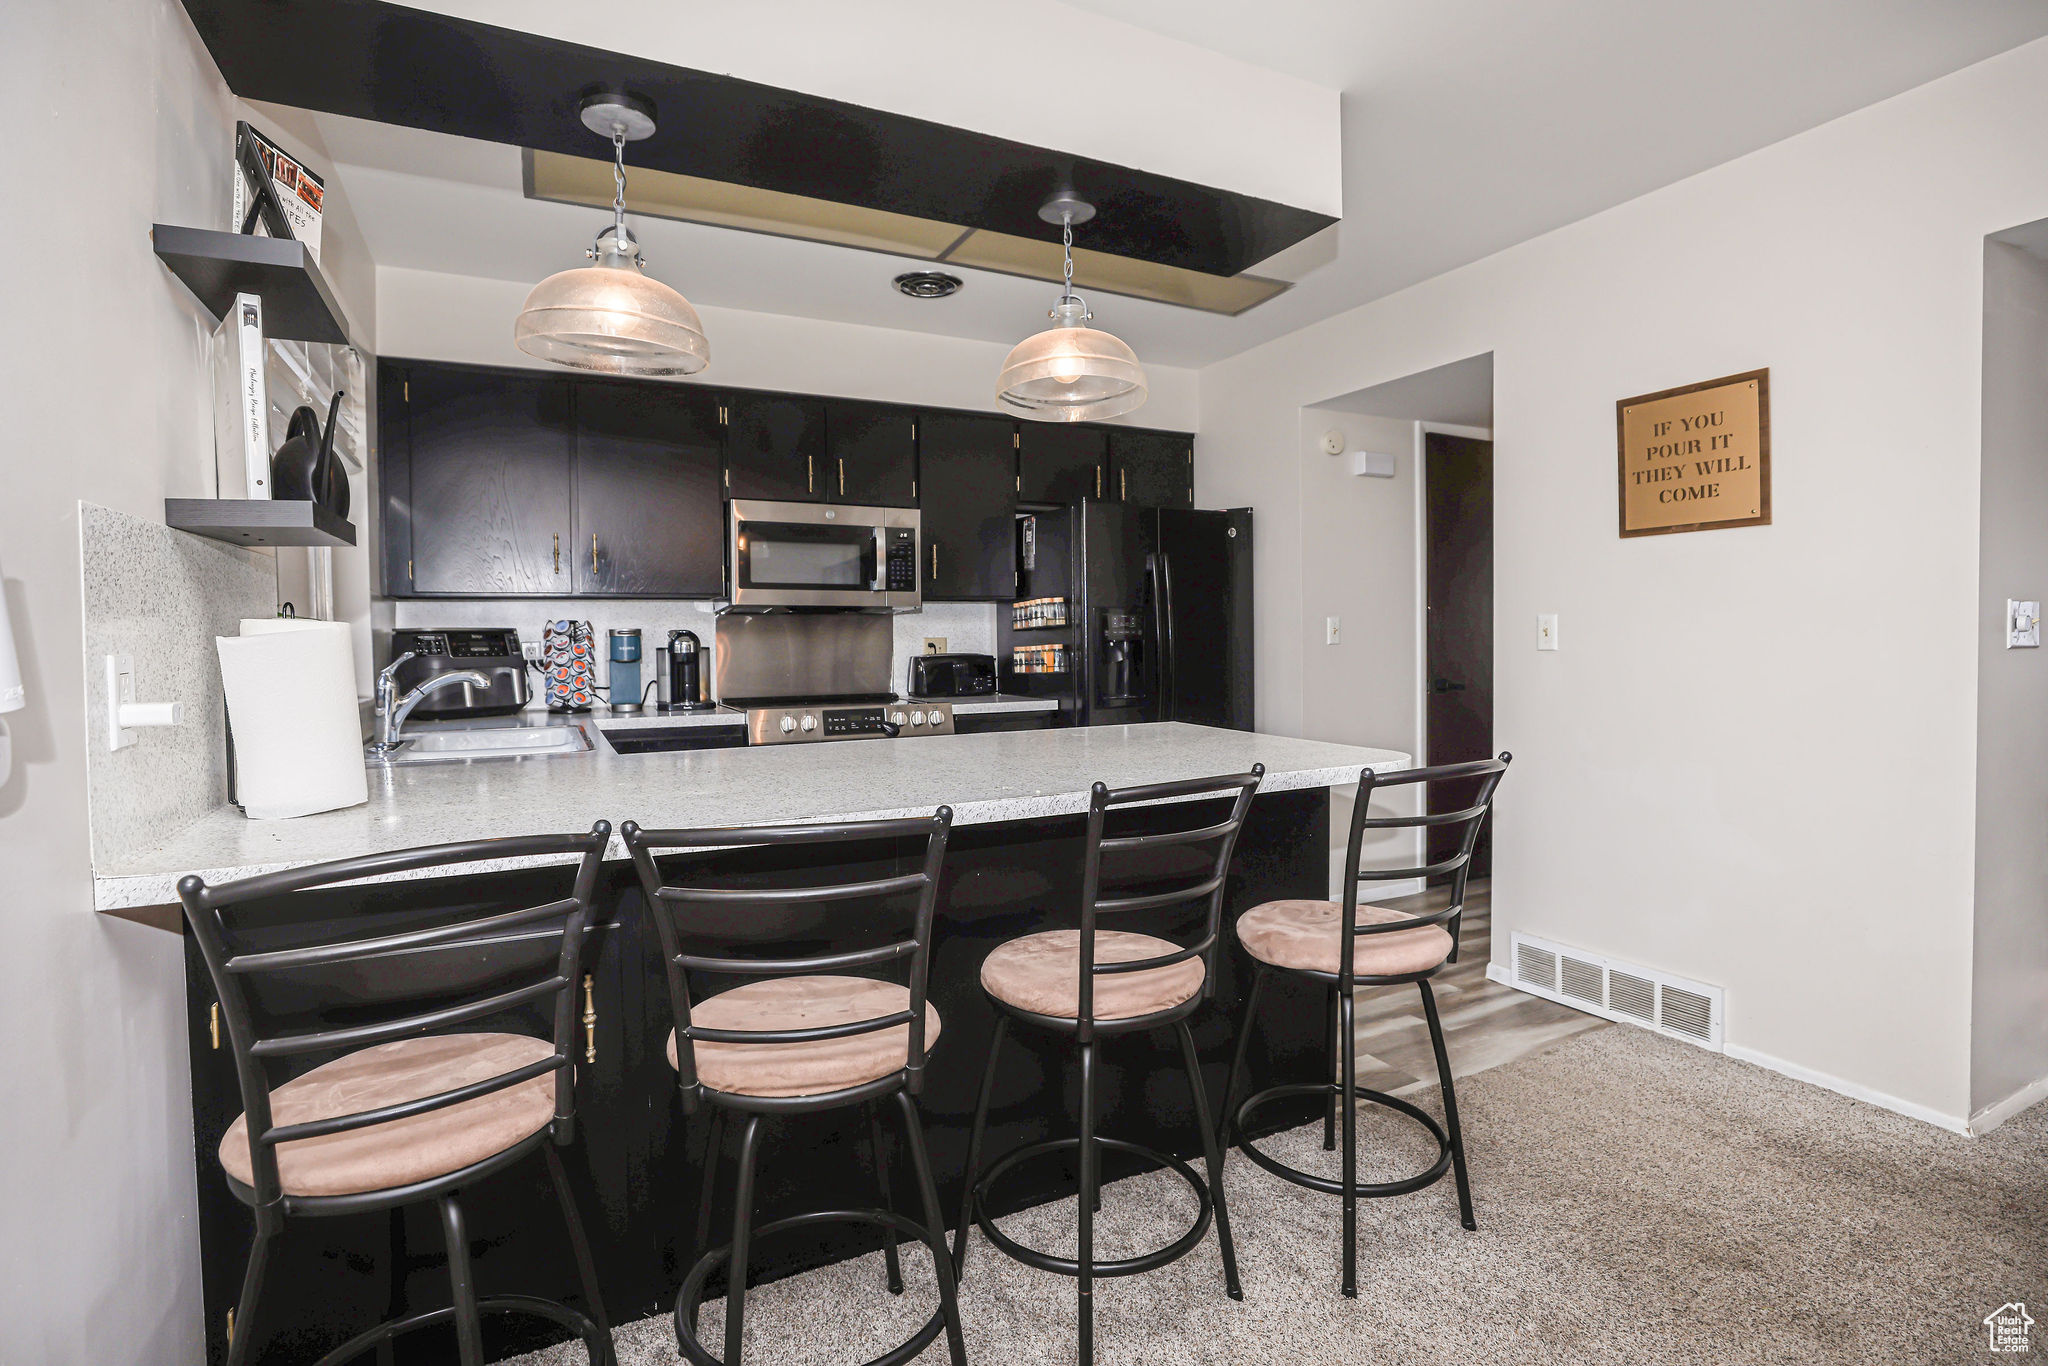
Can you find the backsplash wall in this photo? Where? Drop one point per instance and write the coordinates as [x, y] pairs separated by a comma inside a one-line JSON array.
[[160, 596], [968, 627]]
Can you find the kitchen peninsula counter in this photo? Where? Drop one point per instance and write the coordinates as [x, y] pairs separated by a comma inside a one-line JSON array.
[[1005, 776]]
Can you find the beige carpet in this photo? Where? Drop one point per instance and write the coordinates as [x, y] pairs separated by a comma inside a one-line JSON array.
[[1639, 1200]]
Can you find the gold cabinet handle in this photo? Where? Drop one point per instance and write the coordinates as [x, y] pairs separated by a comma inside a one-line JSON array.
[[935, 560], [810, 475], [1098, 481], [589, 1021], [1123, 485], [558, 552], [213, 1024], [842, 477], [593, 552]]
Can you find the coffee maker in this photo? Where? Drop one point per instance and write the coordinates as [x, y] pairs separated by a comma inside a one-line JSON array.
[[686, 673]]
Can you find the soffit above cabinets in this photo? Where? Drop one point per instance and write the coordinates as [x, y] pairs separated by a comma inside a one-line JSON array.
[[853, 172]]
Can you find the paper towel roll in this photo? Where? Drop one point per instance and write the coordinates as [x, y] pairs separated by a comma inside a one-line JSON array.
[[13, 696], [291, 689]]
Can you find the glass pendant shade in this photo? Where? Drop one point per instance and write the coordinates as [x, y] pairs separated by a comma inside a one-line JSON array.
[[612, 318], [1071, 373]]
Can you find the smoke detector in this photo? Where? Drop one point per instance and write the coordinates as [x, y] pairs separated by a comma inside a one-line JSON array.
[[927, 284]]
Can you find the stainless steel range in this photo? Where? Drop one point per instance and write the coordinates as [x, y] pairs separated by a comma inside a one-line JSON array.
[[805, 677]]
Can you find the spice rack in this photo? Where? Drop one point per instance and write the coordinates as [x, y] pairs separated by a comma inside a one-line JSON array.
[[1038, 614], [1038, 659]]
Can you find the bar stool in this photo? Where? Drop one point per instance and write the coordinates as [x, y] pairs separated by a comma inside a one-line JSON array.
[[1049, 981], [399, 1115], [800, 1039], [1351, 945]]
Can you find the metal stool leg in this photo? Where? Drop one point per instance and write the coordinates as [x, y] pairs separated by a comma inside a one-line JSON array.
[[252, 1290], [974, 1136], [881, 1160], [394, 1290], [1336, 1050], [1346, 1082], [935, 1228], [469, 1333], [1085, 1300], [586, 1266], [714, 1149], [1244, 1039], [1443, 1073], [742, 1234], [1214, 1158]]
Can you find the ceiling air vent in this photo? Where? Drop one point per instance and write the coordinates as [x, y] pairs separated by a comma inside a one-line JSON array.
[[1616, 991]]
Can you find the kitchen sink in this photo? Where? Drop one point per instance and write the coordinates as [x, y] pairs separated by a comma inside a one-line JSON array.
[[493, 742]]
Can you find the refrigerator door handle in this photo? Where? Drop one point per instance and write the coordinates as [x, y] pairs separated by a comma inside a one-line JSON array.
[[1160, 569]]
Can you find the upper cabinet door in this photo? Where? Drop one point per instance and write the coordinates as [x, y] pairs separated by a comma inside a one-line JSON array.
[[967, 488], [490, 482], [775, 448], [649, 520], [872, 454], [1061, 464], [1152, 469]]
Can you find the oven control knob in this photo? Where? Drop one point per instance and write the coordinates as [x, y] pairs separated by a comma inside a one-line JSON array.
[[897, 718], [917, 718], [810, 722], [788, 724]]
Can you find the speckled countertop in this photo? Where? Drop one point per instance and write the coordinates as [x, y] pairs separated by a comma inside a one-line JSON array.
[[1005, 776]]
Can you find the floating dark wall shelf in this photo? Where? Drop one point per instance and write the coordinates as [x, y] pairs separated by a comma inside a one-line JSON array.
[[298, 305], [258, 521]]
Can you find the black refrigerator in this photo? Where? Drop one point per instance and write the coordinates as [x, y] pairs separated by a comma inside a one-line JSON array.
[[1154, 607]]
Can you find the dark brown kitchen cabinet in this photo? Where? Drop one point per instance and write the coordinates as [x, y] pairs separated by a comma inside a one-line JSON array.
[[490, 458], [775, 448], [647, 491], [1061, 464], [1151, 469], [871, 454], [967, 489]]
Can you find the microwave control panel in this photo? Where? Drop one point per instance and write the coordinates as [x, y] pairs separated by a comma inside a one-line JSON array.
[[902, 560]]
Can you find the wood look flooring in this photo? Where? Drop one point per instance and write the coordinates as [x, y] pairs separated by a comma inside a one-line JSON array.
[[1485, 1024]]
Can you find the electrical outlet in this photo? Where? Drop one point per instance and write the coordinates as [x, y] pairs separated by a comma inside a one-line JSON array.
[[2022, 625], [935, 645], [1330, 630], [530, 649], [1546, 630]]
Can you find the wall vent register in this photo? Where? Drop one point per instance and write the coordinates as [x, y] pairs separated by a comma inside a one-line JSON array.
[[1676, 1006]]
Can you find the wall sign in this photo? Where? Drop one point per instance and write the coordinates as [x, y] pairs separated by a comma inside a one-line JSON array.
[[1696, 458]]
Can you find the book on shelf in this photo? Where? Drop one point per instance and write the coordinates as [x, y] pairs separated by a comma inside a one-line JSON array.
[[241, 408], [300, 193]]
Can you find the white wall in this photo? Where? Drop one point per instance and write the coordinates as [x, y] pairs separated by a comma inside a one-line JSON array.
[[2009, 1017], [1753, 761], [107, 402]]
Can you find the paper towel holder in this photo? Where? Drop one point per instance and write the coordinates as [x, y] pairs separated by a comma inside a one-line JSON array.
[[124, 714]]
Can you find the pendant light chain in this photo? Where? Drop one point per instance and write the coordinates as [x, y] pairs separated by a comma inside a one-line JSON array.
[[619, 184], [1067, 241]]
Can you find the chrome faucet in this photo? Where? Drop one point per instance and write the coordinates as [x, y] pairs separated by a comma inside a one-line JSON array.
[[393, 709]]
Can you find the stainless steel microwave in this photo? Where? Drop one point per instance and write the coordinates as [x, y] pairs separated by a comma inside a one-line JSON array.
[[822, 555]]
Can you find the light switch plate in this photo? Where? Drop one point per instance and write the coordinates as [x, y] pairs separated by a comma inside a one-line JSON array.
[[1546, 630], [120, 689], [935, 645], [2022, 625], [1330, 630]]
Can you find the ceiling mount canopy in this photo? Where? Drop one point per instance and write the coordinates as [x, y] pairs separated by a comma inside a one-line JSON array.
[[612, 316], [1071, 372]]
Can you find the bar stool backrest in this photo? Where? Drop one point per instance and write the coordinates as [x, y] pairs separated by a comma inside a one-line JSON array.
[[1179, 856], [384, 976], [772, 914], [1486, 774]]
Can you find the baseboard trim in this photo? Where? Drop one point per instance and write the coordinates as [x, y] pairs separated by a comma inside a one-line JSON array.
[[1997, 1113], [2005, 1109]]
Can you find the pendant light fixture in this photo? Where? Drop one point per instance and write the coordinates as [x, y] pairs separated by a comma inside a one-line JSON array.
[[1071, 372], [612, 316]]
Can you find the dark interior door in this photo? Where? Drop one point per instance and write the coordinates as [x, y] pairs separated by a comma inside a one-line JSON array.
[[490, 482], [871, 451], [1202, 582], [967, 489], [1459, 598], [649, 520], [1152, 469], [1061, 464], [775, 447]]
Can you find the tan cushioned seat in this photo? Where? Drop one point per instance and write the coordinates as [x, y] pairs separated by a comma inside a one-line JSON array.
[[804, 1069], [1307, 936], [400, 1152], [1041, 973]]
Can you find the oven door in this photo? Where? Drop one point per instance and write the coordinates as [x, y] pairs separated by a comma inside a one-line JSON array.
[[811, 555]]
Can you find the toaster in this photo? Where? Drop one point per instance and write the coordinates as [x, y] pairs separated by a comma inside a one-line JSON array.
[[951, 676]]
